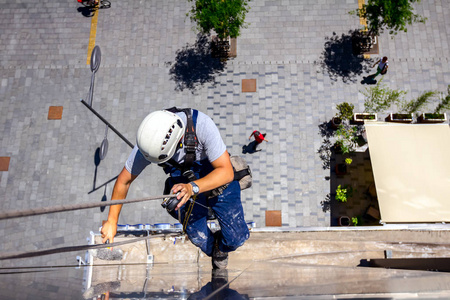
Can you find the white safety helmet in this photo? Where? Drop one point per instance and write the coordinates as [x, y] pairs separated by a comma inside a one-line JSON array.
[[159, 134]]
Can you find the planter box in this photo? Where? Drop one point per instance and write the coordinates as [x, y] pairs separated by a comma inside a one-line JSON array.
[[400, 118], [360, 118], [432, 118], [364, 44], [223, 49]]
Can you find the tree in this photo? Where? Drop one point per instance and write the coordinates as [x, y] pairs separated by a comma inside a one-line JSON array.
[[226, 17], [393, 15]]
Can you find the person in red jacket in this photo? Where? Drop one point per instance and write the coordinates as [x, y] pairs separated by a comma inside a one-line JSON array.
[[259, 138]]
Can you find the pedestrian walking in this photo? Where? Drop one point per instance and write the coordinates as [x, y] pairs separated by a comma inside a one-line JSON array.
[[382, 68], [259, 138]]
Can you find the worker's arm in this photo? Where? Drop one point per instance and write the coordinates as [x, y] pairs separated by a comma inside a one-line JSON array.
[[120, 191], [222, 174]]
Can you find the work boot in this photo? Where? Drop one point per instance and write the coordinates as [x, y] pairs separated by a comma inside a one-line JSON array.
[[219, 278], [219, 258]]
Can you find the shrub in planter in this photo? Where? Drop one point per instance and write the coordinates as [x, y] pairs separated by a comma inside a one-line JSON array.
[[345, 138], [345, 112], [432, 118], [400, 118], [359, 118]]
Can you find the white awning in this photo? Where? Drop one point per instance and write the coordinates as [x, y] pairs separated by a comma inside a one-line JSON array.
[[411, 167]]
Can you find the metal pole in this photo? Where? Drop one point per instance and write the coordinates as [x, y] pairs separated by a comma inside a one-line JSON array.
[[107, 123]]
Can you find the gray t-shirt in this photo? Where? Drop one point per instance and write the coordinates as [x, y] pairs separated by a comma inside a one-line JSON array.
[[210, 145]]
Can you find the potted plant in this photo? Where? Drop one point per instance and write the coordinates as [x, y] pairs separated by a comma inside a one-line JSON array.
[[400, 117], [345, 139], [432, 118], [345, 112], [343, 193]]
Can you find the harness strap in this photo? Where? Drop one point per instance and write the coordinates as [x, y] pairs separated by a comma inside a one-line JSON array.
[[190, 142], [238, 175]]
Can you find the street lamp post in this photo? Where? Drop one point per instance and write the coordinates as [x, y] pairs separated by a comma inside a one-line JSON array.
[[96, 57]]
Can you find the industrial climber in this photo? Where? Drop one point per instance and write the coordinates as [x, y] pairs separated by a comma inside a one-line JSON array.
[[188, 145]]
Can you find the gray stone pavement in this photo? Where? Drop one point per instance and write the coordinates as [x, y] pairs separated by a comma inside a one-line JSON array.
[[43, 51]]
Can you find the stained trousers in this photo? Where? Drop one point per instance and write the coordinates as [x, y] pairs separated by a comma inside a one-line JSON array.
[[228, 210]]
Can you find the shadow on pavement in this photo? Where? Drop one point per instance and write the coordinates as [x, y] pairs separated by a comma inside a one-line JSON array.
[[86, 11], [339, 60], [194, 66], [250, 148]]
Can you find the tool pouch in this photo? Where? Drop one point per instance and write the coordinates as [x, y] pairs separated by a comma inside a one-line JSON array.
[[242, 172]]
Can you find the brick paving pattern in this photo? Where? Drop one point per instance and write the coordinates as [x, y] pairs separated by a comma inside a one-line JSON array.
[[43, 50]]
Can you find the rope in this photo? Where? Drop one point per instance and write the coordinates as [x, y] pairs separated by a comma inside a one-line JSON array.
[[188, 213], [80, 248], [49, 210]]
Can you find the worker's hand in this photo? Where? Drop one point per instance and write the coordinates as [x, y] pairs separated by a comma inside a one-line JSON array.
[[185, 192], [109, 230]]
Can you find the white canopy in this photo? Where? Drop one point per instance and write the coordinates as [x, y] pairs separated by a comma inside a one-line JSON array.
[[411, 167]]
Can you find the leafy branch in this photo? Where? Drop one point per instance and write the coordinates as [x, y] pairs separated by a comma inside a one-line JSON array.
[[393, 15], [419, 102], [381, 97], [445, 102]]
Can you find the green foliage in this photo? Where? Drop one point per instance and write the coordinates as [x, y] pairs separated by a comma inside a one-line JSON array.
[[346, 138], [356, 221], [379, 98], [343, 193], [414, 105], [393, 15], [433, 116], [445, 102], [226, 17], [345, 110]]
